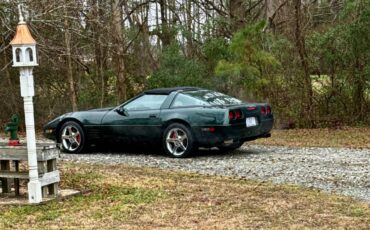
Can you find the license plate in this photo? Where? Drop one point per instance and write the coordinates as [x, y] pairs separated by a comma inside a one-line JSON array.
[[251, 121]]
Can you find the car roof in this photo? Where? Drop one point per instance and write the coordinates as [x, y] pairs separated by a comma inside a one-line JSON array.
[[167, 91]]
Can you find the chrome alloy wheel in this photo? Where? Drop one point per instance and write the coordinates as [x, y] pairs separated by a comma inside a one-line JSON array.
[[71, 138], [176, 141]]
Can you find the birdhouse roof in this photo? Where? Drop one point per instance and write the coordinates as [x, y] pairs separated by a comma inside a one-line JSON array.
[[23, 36]]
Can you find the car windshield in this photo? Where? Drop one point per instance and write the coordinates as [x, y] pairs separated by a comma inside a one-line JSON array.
[[213, 98]]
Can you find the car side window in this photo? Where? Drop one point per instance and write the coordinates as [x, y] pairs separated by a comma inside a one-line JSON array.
[[146, 102], [183, 100]]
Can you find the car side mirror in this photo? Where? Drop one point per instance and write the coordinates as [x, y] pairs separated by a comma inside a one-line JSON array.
[[121, 111]]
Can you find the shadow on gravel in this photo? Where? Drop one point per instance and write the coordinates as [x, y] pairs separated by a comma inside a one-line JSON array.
[[157, 151], [217, 153]]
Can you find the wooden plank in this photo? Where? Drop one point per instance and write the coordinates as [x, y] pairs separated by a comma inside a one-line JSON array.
[[41, 167], [17, 153], [24, 175], [52, 166], [48, 154], [12, 174], [44, 191], [5, 183], [24, 145], [46, 157], [13, 154], [16, 180], [50, 178]]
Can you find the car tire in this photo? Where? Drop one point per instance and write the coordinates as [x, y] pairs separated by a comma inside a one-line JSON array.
[[178, 140], [72, 137], [231, 147]]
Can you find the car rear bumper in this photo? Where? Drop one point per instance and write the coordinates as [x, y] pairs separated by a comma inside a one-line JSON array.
[[228, 134]]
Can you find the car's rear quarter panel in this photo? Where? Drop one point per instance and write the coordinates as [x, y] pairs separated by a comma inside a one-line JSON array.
[[199, 118], [196, 116]]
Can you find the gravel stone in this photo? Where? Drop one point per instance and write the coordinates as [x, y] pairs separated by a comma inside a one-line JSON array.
[[338, 170]]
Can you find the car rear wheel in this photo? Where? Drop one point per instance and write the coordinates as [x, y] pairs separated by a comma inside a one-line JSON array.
[[178, 140], [72, 137]]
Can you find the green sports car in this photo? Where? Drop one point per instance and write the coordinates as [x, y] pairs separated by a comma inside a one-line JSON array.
[[181, 119]]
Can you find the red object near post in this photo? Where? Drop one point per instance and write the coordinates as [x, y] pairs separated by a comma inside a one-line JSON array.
[[14, 143]]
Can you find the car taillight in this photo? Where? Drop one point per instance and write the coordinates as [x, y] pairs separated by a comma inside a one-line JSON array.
[[231, 115], [268, 110], [238, 114], [263, 110]]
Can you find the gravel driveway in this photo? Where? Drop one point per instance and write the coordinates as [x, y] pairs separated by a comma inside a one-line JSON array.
[[343, 171]]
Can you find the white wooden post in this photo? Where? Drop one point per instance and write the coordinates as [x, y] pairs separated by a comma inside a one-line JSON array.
[[24, 56], [27, 92]]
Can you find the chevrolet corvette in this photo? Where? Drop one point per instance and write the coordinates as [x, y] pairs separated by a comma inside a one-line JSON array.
[[181, 119]]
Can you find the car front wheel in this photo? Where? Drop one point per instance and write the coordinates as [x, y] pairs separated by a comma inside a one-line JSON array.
[[72, 137], [178, 140]]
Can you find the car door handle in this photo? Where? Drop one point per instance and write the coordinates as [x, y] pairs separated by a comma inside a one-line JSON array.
[[152, 115]]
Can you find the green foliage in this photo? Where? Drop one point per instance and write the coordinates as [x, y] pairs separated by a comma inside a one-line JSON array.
[[176, 70], [342, 53], [249, 66], [214, 50], [90, 91]]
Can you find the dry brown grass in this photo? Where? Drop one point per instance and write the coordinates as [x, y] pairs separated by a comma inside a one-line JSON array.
[[124, 197], [344, 137]]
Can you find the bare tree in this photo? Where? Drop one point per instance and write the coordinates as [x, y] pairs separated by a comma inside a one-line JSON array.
[[67, 43], [118, 53], [301, 47]]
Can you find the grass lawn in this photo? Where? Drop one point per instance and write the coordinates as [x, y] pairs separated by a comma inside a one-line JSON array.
[[344, 137], [121, 197]]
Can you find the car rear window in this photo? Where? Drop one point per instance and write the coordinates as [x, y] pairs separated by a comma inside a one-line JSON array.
[[183, 100], [213, 98]]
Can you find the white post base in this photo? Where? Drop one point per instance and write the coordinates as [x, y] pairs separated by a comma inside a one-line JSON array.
[[34, 192]]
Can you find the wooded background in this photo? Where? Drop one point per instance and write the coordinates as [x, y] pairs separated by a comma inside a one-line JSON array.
[[309, 58]]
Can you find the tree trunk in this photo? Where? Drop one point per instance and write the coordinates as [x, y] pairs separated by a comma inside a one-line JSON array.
[[99, 51], [237, 14], [272, 8], [165, 34], [358, 92], [67, 43], [118, 56], [189, 32], [269, 10], [300, 44]]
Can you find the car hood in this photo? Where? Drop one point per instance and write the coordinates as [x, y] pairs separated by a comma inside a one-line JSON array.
[[94, 115]]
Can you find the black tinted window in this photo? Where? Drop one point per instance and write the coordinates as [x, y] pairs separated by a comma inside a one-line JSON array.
[[146, 102], [183, 100], [213, 98]]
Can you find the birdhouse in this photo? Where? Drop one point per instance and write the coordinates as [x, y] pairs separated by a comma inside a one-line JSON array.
[[23, 47]]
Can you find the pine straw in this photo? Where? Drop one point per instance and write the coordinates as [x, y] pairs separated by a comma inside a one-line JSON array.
[[341, 138], [122, 197]]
